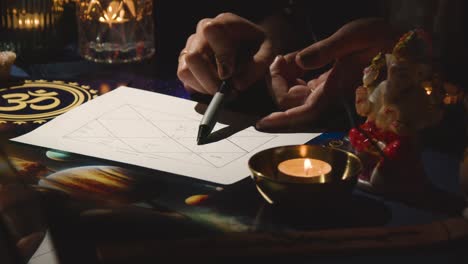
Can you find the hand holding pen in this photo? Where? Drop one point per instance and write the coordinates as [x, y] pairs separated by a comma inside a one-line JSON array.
[[223, 47], [229, 41], [214, 54]]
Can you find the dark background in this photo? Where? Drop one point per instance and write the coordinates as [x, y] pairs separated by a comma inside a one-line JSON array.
[[176, 20]]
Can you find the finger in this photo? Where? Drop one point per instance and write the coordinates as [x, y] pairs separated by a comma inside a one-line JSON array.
[[190, 83], [284, 96], [184, 74], [253, 53], [277, 83], [204, 72], [223, 48], [296, 117], [328, 85], [324, 76], [255, 68], [292, 70], [290, 119], [314, 83], [356, 35], [319, 87], [300, 81], [199, 63], [221, 44], [296, 96], [226, 34]]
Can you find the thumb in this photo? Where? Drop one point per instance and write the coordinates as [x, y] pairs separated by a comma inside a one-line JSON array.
[[277, 82], [354, 36], [291, 119], [296, 117]]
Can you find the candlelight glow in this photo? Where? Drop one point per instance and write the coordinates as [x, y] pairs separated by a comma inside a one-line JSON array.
[[303, 150], [428, 90], [31, 18], [112, 31], [29, 21], [304, 167], [307, 166], [115, 12]]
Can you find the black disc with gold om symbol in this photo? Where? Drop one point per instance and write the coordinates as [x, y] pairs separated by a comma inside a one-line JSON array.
[[38, 101]]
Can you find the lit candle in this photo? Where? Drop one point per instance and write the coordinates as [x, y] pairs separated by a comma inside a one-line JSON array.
[[114, 13], [303, 167], [29, 21]]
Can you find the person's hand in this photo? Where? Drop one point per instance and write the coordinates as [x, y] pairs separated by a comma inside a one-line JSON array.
[[222, 47], [351, 48]]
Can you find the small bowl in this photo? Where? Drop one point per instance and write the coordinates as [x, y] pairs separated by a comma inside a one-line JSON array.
[[331, 188]]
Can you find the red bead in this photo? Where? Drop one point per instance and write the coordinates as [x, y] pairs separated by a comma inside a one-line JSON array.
[[393, 150]]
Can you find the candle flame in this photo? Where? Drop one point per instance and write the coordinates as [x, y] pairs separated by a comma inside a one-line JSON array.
[[307, 166], [113, 14], [428, 90]]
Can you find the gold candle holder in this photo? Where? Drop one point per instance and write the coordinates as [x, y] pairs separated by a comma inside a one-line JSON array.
[[278, 186]]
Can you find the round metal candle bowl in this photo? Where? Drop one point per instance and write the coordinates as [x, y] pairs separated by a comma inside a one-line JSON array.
[[322, 190]]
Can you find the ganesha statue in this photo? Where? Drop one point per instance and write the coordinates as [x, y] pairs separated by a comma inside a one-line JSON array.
[[396, 103]]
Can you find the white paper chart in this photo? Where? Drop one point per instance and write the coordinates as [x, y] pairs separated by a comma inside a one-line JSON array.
[[158, 132]]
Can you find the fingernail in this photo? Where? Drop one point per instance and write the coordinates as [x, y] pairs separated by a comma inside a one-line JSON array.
[[277, 58], [275, 62], [300, 81]]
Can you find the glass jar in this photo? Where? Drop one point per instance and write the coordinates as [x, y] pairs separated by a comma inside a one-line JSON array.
[[115, 31]]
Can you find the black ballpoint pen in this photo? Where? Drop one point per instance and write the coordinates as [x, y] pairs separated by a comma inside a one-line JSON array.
[[214, 108]]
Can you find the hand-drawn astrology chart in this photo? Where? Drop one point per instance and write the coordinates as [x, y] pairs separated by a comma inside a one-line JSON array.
[[159, 132], [165, 136]]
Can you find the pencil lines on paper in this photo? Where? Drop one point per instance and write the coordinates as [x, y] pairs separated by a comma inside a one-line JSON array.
[[154, 134]]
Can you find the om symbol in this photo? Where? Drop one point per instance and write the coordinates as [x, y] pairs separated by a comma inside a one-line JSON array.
[[20, 101]]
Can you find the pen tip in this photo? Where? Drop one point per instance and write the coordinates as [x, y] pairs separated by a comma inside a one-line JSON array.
[[203, 132]]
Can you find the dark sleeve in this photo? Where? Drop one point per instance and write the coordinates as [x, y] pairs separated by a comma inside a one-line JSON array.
[[325, 17]]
